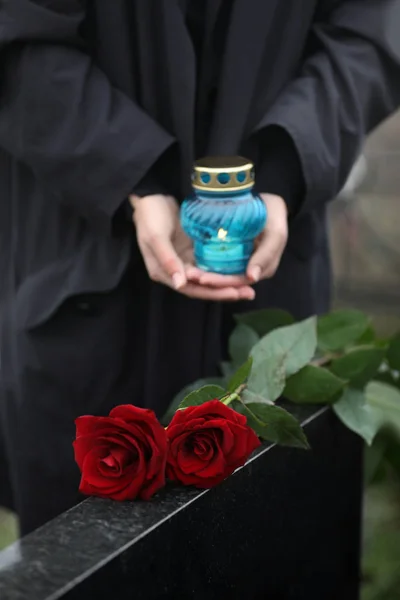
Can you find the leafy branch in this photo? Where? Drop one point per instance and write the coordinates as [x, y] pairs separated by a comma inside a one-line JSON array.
[[335, 359]]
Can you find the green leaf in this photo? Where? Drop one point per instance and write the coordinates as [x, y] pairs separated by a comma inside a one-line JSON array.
[[265, 320], [368, 337], [250, 398], [385, 399], [374, 460], [340, 328], [388, 377], [359, 365], [280, 354], [241, 375], [382, 343], [204, 394], [393, 354], [176, 402], [313, 385], [353, 410], [369, 411], [274, 424], [241, 342]]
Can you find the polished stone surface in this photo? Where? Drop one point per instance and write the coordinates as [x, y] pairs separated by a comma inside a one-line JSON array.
[[284, 527]]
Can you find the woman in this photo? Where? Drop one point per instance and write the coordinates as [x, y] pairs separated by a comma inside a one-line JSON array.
[[103, 108]]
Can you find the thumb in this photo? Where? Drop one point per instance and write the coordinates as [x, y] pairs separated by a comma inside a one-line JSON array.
[[254, 272], [169, 261], [265, 260], [258, 260]]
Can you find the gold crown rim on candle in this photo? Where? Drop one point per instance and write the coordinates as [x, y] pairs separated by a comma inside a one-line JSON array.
[[217, 165]]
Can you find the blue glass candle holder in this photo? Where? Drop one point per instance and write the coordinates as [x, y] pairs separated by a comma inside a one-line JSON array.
[[223, 216]]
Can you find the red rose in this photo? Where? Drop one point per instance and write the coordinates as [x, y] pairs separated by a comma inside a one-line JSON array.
[[121, 456], [207, 443]]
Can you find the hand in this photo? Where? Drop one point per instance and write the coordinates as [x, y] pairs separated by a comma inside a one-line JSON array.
[[272, 242], [269, 248], [168, 253]]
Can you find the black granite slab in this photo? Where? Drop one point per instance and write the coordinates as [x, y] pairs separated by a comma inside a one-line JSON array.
[[284, 527]]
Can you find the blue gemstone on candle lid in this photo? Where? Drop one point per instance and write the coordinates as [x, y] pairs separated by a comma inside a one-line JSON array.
[[224, 178]]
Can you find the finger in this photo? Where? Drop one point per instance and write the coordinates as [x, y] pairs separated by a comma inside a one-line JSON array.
[[201, 292], [193, 273], [155, 272], [246, 293], [167, 260], [266, 258], [194, 290], [228, 294], [215, 280], [218, 280]]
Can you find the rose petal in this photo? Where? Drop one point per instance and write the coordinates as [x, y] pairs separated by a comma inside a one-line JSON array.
[[158, 481], [189, 463], [208, 410], [85, 443], [126, 486], [129, 412], [117, 462], [216, 467], [253, 442], [203, 447]]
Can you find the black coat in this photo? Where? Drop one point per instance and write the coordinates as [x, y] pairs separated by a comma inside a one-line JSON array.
[[92, 93], [91, 97]]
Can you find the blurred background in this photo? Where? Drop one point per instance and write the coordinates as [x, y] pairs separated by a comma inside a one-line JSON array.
[[365, 239], [365, 228]]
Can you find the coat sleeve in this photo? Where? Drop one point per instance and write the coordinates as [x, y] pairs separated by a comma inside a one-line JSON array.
[[59, 114], [347, 84]]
